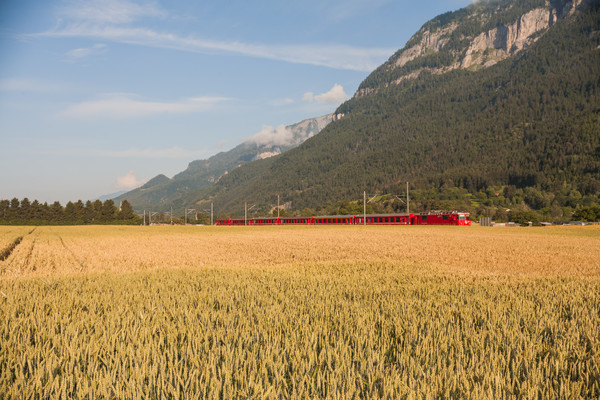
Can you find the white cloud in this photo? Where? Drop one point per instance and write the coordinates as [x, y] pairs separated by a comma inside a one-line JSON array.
[[85, 52], [116, 21], [121, 106], [280, 136], [335, 95], [128, 181]]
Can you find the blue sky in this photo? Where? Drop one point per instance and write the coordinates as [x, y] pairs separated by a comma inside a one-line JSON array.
[[100, 96]]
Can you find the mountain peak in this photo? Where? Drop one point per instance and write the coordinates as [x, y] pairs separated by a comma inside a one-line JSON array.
[[473, 38], [157, 180]]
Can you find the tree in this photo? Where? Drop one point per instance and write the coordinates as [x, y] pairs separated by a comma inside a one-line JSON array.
[[4, 209], [14, 211], [524, 217], [108, 211], [97, 211], [36, 211], [88, 212], [126, 211], [587, 214], [56, 213], [79, 211], [25, 214], [69, 213]]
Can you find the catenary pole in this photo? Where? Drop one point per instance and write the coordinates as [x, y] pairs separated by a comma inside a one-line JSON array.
[[407, 200], [364, 208]]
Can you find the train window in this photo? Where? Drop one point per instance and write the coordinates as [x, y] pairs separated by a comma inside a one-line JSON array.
[[424, 218], [369, 220], [445, 218], [461, 217]]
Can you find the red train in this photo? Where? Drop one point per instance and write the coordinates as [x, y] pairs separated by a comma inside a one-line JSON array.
[[432, 218]]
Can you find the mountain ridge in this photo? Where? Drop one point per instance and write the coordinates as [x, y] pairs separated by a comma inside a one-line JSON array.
[[527, 126], [161, 193], [443, 45]]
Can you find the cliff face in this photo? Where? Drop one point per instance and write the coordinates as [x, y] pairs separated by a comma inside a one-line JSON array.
[[468, 42], [495, 45]]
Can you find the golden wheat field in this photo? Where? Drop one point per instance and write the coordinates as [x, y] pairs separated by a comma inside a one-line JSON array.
[[338, 312]]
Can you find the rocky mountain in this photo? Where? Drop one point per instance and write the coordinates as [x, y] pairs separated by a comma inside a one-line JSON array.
[[496, 104], [475, 37], [161, 193]]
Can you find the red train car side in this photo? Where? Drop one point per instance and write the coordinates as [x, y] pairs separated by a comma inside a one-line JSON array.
[[431, 218]]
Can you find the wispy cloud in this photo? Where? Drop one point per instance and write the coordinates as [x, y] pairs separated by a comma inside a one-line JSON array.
[[335, 95], [116, 21], [85, 52], [128, 181], [121, 106]]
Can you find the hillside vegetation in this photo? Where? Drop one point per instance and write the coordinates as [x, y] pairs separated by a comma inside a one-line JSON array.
[[163, 194], [521, 134]]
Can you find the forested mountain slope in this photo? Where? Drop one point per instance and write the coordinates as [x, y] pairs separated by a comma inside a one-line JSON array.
[[526, 124], [161, 193]]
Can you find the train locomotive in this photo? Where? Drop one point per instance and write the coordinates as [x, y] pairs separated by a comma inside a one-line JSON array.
[[430, 218]]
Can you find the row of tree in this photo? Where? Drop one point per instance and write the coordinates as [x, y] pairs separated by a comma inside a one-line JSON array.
[[26, 212]]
